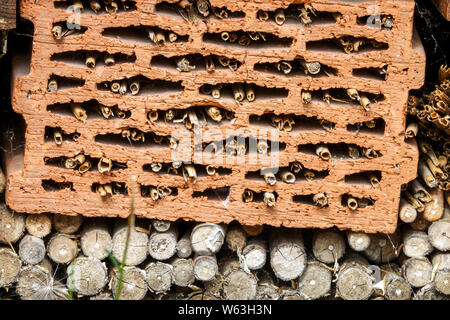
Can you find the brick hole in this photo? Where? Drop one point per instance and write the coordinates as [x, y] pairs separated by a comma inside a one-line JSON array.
[[228, 91], [176, 11], [213, 194], [145, 85], [122, 6], [112, 188], [52, 185], [360, 203], [384, 21], [291, 122], [296, 68], [375, 127], [364, 178], [371, 73], [57, 83], [195, 62], [308, 199], [235, 146], [92, 108], [340, 97], [20, 43], [67, 29], [242, 39], [142, 35], [347, 44], [50, 133], [60, 163], [167, 168], [78, 58], [258, 196], [340, 151], [140, 140], [158, 192]]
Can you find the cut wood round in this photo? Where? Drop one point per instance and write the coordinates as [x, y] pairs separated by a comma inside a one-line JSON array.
[[162, 245], [416, 244], [31, 249], [38, 225], [395, 286], [96, 240], [183, 247], [315, 282], [439, 234], [36, 283], [441, 263], [137, 245], [435, 208], [238, 284], [134, 286], [287, 254], [417, 271], [253, 231], [407, 212], [12, 225], [358, 241], [328, 246], [67, 224], [429, 292], [62, 248], [87, 276], [236, 238], [205, 267], [159, 277], [354, 279], [10, 265], [183, 272], [207, 238], [255, 254], [161, 225], [383, 247]]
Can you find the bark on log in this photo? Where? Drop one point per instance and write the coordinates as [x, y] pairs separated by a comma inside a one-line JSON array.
[[315, 282], [12, 225], [395, 286], [416, 244], [383, 247], [236, 238], [67, 224], [417, 271], [31, 249], [255, 254], [159, 277], [137, 246], [439, 234], [205, 267], [328, 246], [184, 248], [38, 225], [10, 265], [36, 283], [96, 240], [358, 241], [183, 272], [134, 285], [207, 238], [354, 279], [62, 248], [162, 245], [238, 284], [87, 276], [287, 254], [441, 267], [161, 225]]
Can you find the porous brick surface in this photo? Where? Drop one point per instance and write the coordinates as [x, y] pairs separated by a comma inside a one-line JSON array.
[[403, 57]]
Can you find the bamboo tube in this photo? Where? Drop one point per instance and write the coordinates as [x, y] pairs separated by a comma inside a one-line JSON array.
[[287, 254], [269, 199], [115, 87], [160, 38], [70, 163], [210, 170], [31, 249], [109, 59], [439, 234], [365, 102], [411, 130], [12, 225], [61, 248], [90, 61], [9, 275], [354, 279], [270, 178], [172, 37], [415, 202], [205, 267], [38, 225], [135, 86], [418, 191], [263, 15], [287, 176], [353, 94], [215, 92], [104, 165], [238, 92], [209, 64], [183, 247], [418, 271], [159, 277], [352, 203], [306, 97], [320, 199], [358, 241], [111, 7], [79, 112], [373, 179], [207, 238], [254, 253], [416, 244], [441, 265], [95, 239], [134, 284], [238, 284], [57, 32], [315, 282], [328, 246], [236, 238], [183, 272], [67, 224], [123, 87], [225, 36], [189, 173], [426, 175], [312, 67], [407, 212], [383, 248], [279, 16], [162, 245], [57, 137], [95, 5], [323, 152], [106, 112], [137, 245], [214, 113], [247, 196], [435, 208], [87, 276], [250, 92], [285, 67]]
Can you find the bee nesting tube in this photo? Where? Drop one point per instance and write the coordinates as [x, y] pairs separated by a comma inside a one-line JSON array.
[[183, 247], [395, 286], [67, 224], [96, 239], [137, 244], [407, 212], [31, 249], [312, 67], [36, 283], [12, 225], [255, 254], [416, 244], [87, 276], [162, 245], [285, 67], [279, 16], [10, 274], [109, 59], [205, 267], [323, 153], [183, 272], [215, 92], [411, 130], [236, 238], [434, 209], [262, 15], [79, 112], [57, 137], [287, 176], [328, 246], [320, 199], [135, 86], [207, 238], [153, 115], [238, 284], [439, 234], [238, 92], [358, 241], [354, 279], [189, 173], [352, 203], [270, 178], [418, 271], [269, 199], [247, 196], [90, 61], [62, 248], [215, 114], [134, 285], [161, 225], [383, 247], [159, 277], [441, 263], [315, 282], [104, 165]]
